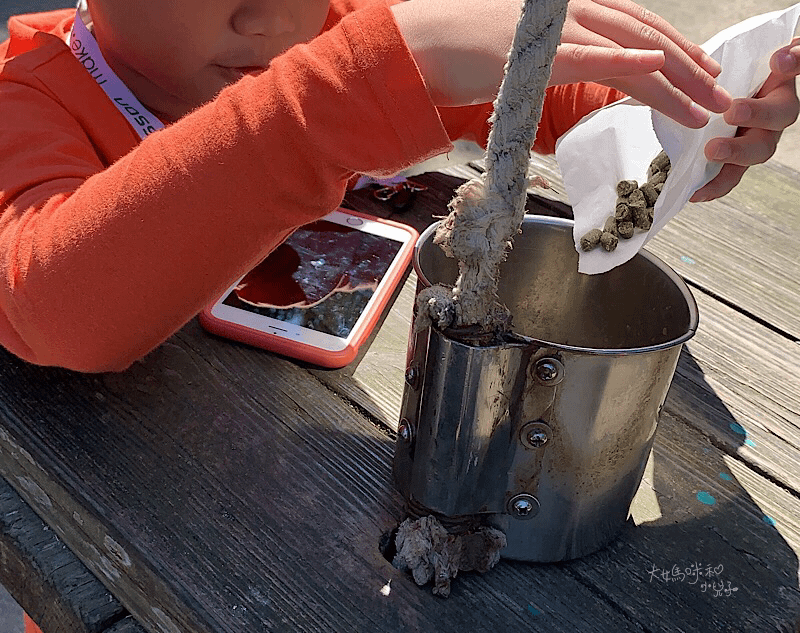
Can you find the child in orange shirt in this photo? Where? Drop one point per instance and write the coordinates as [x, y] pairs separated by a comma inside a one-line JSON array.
[[133, 193]]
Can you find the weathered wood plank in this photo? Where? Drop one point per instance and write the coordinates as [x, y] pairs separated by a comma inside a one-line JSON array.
[[740, 253], [739, 384], [45, 577], [245, 484], [126, 625], [773, 588], [248, 497], [769, 191]]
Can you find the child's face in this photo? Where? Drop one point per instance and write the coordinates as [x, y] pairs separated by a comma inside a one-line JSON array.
[[175, 55]]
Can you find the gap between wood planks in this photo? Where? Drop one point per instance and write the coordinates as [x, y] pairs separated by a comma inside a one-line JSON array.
[[746, 313]]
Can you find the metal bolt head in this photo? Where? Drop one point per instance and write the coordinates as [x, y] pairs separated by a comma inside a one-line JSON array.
[[549, 371], [535, 435], [412, 376], [404, 431], [523, 506], [537, 438]]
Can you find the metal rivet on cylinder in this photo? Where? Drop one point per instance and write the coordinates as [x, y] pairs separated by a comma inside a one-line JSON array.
[[537, 439], [535, 434], [523, 506], [404, 431], [549, 371], [412, 376]]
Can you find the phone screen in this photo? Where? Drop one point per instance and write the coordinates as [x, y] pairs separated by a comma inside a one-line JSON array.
[[320, 278]]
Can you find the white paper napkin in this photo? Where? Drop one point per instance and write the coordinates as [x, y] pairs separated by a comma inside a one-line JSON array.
[[619, 141]]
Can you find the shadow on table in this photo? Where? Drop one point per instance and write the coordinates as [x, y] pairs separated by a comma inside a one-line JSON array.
[[709, 558], [705, 556]]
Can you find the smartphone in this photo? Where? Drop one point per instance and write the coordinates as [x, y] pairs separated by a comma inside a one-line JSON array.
[[317, 296]]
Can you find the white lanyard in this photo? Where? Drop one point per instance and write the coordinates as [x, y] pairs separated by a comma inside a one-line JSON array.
[[85, 49]]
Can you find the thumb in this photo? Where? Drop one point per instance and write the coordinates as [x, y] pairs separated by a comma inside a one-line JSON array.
[[786, 61], [785, 66]]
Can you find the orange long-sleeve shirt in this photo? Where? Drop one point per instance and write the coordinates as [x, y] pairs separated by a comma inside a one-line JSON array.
[[109, 244]]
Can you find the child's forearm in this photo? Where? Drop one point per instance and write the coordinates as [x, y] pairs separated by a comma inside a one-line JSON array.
[[99, 268]]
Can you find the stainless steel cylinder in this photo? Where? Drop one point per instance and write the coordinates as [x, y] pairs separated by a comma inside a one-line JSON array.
[[546, 438]]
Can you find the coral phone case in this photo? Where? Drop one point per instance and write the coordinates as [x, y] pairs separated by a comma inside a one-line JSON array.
[[318, 296]]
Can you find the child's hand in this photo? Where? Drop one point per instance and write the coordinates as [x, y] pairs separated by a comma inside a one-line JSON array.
[[461, 45], [620, 44], [761, 121]]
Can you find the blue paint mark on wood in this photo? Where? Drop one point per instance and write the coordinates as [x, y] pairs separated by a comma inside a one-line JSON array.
[[533, 610], [704, 497], [738, 428], [750, 443], [769, 520], [725, 476]]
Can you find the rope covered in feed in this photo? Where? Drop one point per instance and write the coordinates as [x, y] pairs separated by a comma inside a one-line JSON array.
[[486, 213]]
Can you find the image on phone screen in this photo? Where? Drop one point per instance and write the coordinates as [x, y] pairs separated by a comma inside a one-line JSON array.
[[320, 278]]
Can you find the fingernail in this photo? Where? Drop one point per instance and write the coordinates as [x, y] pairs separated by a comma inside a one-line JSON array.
[[722, 153], [646, 57], [712, 65], [722, 98], [699, 114], [741, 113], [786, 62]]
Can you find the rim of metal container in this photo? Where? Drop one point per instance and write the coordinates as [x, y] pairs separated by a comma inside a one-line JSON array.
[[563, 222]]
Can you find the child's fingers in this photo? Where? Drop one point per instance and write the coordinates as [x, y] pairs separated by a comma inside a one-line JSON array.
[[654, 90], [577, 62], [785, 66], [752, 147], [726, 180], [642, 31], [776, 111], [761, 121], [658, 23], [786, 61]]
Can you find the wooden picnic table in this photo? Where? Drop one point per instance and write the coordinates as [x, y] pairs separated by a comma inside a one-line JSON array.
[[215, 487]]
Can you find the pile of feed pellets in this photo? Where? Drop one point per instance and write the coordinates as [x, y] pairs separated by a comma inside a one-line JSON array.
[[634, 208]]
